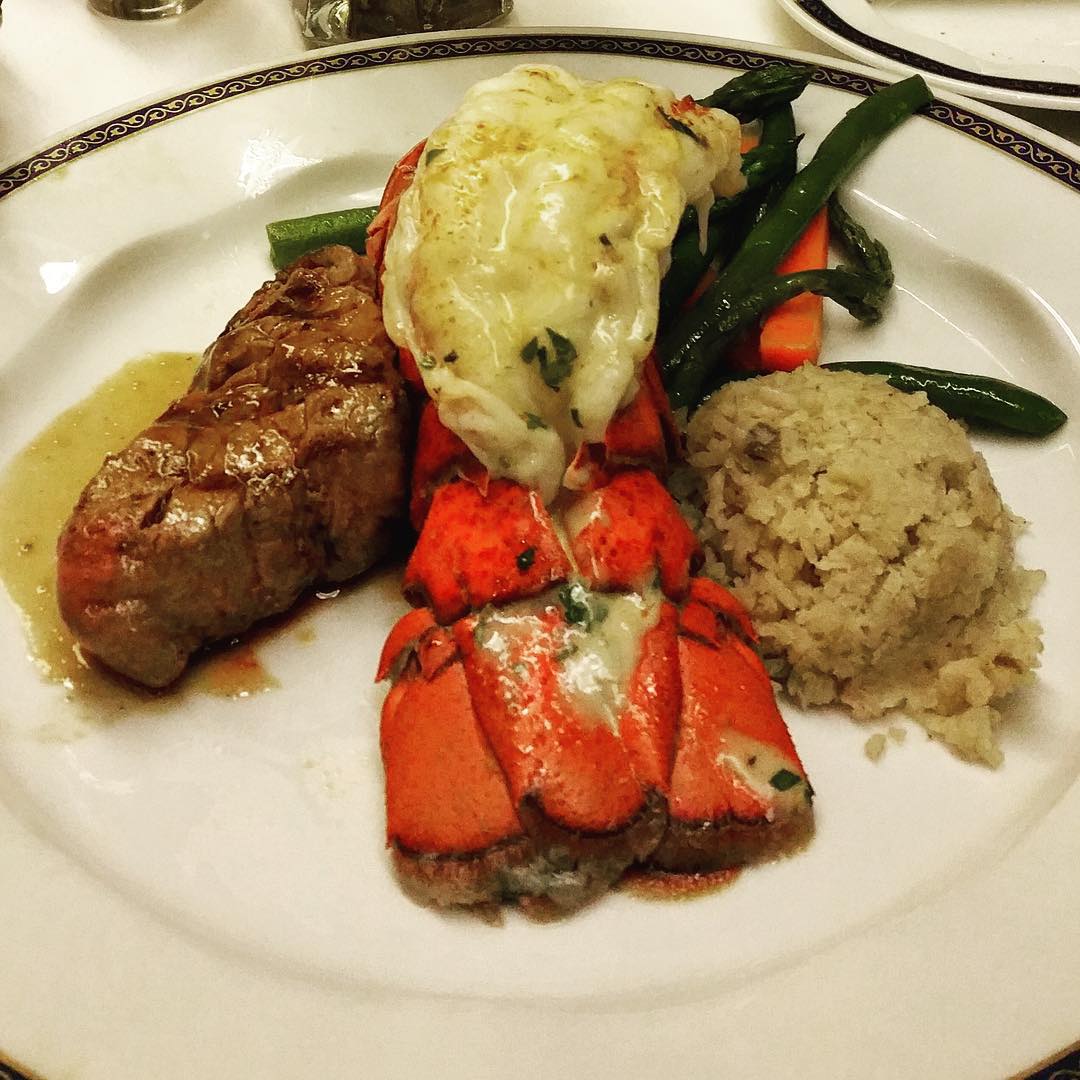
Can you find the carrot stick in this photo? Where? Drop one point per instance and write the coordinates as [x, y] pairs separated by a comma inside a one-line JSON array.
[[791, 333]]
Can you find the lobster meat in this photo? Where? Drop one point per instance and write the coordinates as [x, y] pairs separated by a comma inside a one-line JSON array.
[[568, 698]]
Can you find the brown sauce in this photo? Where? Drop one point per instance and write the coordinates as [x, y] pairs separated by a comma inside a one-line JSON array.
[[658, 885], [38, 490], [233, 671]]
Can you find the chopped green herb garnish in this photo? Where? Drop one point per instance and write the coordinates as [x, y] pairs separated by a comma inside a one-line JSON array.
[[433, 153], [532, 421], [575, 604], [580, 607], [450, 358], [576, 417], [426, 362], [605, 240], [682, 128], [554, 371], [565, 653], [784, 779], [526, 559]]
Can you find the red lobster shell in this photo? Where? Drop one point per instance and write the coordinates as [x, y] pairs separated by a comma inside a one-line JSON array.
[[505, 780]]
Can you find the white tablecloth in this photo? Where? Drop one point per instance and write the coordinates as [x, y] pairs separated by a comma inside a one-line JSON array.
[[60, 63]]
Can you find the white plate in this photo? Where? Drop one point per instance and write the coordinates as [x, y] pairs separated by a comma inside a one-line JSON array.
[[1017, 52], [204, 890]]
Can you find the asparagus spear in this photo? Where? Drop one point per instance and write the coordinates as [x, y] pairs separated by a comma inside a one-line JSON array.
[[751, 95], [693, 341]]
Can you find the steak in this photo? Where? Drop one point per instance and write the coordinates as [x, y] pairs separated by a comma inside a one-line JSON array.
[[283, 467]]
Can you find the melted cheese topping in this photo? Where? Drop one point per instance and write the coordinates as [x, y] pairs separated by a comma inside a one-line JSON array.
[[601, 658], [594, 658], [775, 779], [523, 271]]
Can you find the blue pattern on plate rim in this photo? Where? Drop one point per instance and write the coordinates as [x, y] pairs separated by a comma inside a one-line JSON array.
[[1043, 158], [824, 15]]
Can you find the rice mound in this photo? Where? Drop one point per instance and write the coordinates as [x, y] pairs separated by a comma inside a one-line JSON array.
[[868, 541]]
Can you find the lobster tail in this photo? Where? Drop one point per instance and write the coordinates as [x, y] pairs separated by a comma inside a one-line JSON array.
[[568, 698], [573, 701]]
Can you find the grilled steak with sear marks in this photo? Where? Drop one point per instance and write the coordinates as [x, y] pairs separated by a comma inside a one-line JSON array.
[[282, 467]]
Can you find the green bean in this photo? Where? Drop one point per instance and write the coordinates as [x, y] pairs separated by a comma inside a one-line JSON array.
[[778, 131], [986, 400], [729, 219], [773, 158], [775, 188], [869, 255], [859, 132], [695, 335], [751, 95], [688, 263], [293, 237], [764, 162], [860, 294], [862, 289]]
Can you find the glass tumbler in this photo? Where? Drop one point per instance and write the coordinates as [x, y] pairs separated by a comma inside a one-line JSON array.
[[328, 21], [142, 9]]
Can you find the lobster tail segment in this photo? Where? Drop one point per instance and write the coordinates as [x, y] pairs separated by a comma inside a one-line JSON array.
[[450, 821], [739, 792], [551, 713], [506, 776], [483, 547], [629, 535], [555, 720]]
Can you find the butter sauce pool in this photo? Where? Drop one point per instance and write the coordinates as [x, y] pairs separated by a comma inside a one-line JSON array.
[[38, 490]]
